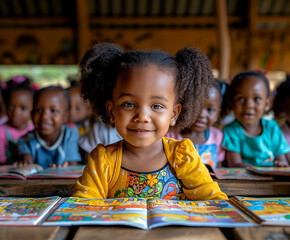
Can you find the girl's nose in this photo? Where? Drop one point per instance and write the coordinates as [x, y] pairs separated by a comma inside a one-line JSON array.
[[203, 113], [44, 114], [249, 103], [142, 115]]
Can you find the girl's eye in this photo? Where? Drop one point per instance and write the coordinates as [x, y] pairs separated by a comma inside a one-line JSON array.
[[157, 106], [257, 99], [240, 99], [23, 108], [129, 104], [210, 109], [11, 107], [54, 111]]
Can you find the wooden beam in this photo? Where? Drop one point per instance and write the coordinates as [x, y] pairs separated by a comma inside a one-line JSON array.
[[159, 20], [35, 21], [83, 27], [252, 26], [223, 40]]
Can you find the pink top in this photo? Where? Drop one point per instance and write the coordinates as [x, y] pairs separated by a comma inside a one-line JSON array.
[[215, 137], [15, 134], [286, 132]]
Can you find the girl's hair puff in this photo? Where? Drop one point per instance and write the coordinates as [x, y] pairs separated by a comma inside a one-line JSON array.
[[237, 80], [194, 79], [102, 63], [98, 75]]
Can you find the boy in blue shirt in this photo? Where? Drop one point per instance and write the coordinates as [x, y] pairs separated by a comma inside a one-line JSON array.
[[53, 142]]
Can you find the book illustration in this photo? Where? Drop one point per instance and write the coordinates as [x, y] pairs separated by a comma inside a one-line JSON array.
[[10, 171], [36, 171], [208, 154], [271, 211], [273, 171], [146, 214], [60, 172], [238, 174], [24, 211]]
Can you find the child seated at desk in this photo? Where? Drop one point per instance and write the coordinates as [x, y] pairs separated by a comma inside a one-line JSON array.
[[142, 93], [18, 97], [80, 111], [251, 139], [206, 138], [53, 142], [282, 109]]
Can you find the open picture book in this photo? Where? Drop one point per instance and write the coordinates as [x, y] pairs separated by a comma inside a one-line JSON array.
[[147, 213], [25, 211], [265, 211], [270, 171], [36, 171], [236, 174]]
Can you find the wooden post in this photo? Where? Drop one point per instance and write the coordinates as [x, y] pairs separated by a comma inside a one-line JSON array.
[[252, 26], [223, 40], [83, 27]]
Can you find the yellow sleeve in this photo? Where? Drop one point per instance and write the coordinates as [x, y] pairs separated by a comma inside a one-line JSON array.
[[196, 180], [96, 176]]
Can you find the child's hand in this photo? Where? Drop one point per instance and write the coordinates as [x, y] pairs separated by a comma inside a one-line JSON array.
[[281, 161], [24, 160], [65, 164]]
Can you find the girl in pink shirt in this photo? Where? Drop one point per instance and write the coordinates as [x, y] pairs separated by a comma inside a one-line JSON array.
[[18, 100], [206, 138]]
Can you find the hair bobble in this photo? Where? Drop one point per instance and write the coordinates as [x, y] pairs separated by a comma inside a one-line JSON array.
[[262, 71], [18, 79]]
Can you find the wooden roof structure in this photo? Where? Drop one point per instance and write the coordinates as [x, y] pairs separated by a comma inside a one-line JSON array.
[[84, 15]]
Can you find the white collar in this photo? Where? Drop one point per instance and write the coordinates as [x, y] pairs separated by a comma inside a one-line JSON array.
[[55, 145]]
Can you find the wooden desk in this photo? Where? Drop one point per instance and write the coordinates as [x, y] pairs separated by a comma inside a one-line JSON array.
[[64, 187]]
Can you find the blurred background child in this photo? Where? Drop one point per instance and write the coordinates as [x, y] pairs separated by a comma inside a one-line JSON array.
[[53, 142], [80, 111], [282, 109], [3, 116], [206, 138], [251, 139], [18, 97]]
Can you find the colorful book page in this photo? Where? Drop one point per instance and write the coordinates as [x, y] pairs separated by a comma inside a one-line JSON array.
[[272, 211], [239, 174], [275, 171], [60, 172], [134, 212], [10, 171], [25, 211], [208, 154], [120, 211], [213, 213]]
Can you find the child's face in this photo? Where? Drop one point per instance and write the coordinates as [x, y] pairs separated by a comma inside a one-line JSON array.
[[19, 109], [143, 105], [79, 110], [49, 113], [250, 100], [209, 112]]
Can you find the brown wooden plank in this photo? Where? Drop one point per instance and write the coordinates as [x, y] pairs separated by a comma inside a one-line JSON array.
[[64, 187], [261, 233], [125, 233], [33, 233]]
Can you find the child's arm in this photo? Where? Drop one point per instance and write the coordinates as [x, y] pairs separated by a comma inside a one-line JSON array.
[[94, 182], [196, 180], [282, 161], [234, 159], [25, 158]]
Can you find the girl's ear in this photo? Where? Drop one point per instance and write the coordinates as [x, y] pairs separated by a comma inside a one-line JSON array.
[[175, 114], [267, 106], [109, 106]]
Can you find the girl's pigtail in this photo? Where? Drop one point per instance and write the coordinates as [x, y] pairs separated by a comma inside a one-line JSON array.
[[194, 79], [99, 69]]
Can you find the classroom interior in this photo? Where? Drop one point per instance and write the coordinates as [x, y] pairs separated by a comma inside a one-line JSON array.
[[46, 39]]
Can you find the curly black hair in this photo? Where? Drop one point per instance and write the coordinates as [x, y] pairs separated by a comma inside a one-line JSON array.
[[103, 62], [60, 89], [14, 86], [237, 80], [282, 94]]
